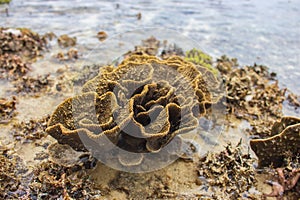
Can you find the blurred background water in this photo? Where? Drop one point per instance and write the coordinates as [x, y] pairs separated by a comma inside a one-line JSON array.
[[265, 32]]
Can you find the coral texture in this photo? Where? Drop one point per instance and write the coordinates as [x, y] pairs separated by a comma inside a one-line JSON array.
[[140, 106], [283, 144]]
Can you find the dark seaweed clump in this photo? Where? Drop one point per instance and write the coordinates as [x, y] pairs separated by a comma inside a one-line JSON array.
[[253, 94], [231, 170], [12, 172], [31, 130], [7, 109], [12, 67], [21, 41], [53, 181], [30, 85]]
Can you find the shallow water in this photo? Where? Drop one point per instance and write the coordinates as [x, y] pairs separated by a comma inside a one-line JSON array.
[[250, 30], [265, 32]]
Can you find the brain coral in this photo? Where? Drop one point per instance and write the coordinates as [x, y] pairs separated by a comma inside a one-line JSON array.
[[139, 106]]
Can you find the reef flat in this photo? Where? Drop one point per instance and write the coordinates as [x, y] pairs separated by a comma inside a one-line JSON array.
[[256, 155]]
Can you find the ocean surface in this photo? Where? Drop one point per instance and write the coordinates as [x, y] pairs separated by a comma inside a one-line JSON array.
[[254, 31]]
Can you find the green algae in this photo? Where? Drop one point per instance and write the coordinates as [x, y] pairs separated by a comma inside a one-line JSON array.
[[198, 57], [4, 1]]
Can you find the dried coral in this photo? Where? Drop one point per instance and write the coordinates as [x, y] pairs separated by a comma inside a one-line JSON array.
[[253, 94], [140, 106], [22, 42], [230, 170], [149, 46], [30, 85], [12, 67], [7, 109], [53, 181], [31, 130], [294, 100], [66, 41], [71, 54], [283, 143], [12, 170]]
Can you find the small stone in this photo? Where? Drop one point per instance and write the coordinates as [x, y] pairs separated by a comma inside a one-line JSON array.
[[102, 35]]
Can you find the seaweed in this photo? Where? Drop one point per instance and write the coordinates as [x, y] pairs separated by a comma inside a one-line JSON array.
[[7, 109], [31, 130], [230, 170], [200, 58], [31, 85]]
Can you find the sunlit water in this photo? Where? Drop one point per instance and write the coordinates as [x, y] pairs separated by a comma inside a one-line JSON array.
[[265, 32]]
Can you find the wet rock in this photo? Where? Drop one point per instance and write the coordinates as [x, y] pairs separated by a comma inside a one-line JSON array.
[[132, 185], [66, 41], [102, 35], [71, 54]]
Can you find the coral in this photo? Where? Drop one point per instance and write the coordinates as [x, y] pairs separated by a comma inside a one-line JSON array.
[[30, 85], [8, 182], [7, 109], [12, 171], [140, 106], [231, 170], [284, 143], [53, 181], [71, 54], [171, 50], [225, 64], [253, 94], [22, 42], [294, 100], [66, 41], [12, 67], [31, 130], [149, 46]]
